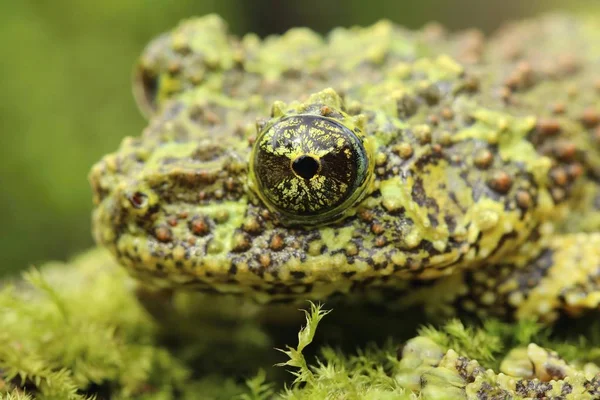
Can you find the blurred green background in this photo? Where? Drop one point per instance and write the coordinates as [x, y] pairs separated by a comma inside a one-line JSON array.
[[65, 91]]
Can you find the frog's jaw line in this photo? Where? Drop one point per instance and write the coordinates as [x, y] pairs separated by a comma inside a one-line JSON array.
[[265, 292]]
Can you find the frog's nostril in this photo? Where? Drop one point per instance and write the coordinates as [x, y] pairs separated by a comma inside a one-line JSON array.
[[306, 166], [138, 200], [145, 90]]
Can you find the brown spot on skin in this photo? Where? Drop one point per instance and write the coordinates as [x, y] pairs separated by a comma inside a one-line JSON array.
[[483, 158], [500, 182], [265, 260], [523, 199], [241, 242], [172, 221], [366, 215], [422, 133], [559, 108], [565, 150], [548, 126], [199, 226], [230, 184], [575, 170], [276, 243], [456, 159], [325, 110], [196, 79], [404, 150], [174, 67], [590, 117], [252, 225], [471, 84], [433, 120], [522, 77], [447, 113], [380, 241], [559, 176], [377, 228], [163, 234], [211, 117]]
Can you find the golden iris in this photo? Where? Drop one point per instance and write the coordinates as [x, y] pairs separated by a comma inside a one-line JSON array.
[[309, 168]]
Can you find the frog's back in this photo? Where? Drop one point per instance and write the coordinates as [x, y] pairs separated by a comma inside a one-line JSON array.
[[544, 68]]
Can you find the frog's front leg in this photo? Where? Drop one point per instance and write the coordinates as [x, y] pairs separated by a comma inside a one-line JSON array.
[[563, 277]]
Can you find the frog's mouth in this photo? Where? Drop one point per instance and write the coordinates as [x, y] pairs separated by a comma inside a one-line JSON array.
[[231, 247]]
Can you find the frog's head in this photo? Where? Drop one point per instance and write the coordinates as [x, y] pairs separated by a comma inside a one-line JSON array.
[[270, 207], [314, 200]]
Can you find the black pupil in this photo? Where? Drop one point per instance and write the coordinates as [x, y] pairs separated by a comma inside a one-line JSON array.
[[305, 166]]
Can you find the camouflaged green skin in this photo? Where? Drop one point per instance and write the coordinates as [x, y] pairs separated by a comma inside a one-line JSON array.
[[526, 373], [484, 153]]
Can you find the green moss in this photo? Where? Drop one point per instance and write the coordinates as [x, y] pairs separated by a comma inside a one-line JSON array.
[[77, 331]]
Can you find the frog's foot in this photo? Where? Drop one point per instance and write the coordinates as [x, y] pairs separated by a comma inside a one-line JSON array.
[[564, 277], [531, 372]]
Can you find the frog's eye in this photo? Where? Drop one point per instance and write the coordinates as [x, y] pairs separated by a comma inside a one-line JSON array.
[[138, 200], [145, 90], [309, 168]]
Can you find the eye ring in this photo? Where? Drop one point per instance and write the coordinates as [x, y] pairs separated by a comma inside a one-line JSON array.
[[310, 169]]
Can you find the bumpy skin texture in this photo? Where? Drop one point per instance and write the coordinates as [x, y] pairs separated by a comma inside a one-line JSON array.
[[483, 163], [526, 373]]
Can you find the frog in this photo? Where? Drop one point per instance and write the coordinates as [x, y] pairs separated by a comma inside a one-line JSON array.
[[446, 171]]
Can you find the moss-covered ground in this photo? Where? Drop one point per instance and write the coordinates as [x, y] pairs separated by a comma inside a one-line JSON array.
[[79, 331]]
